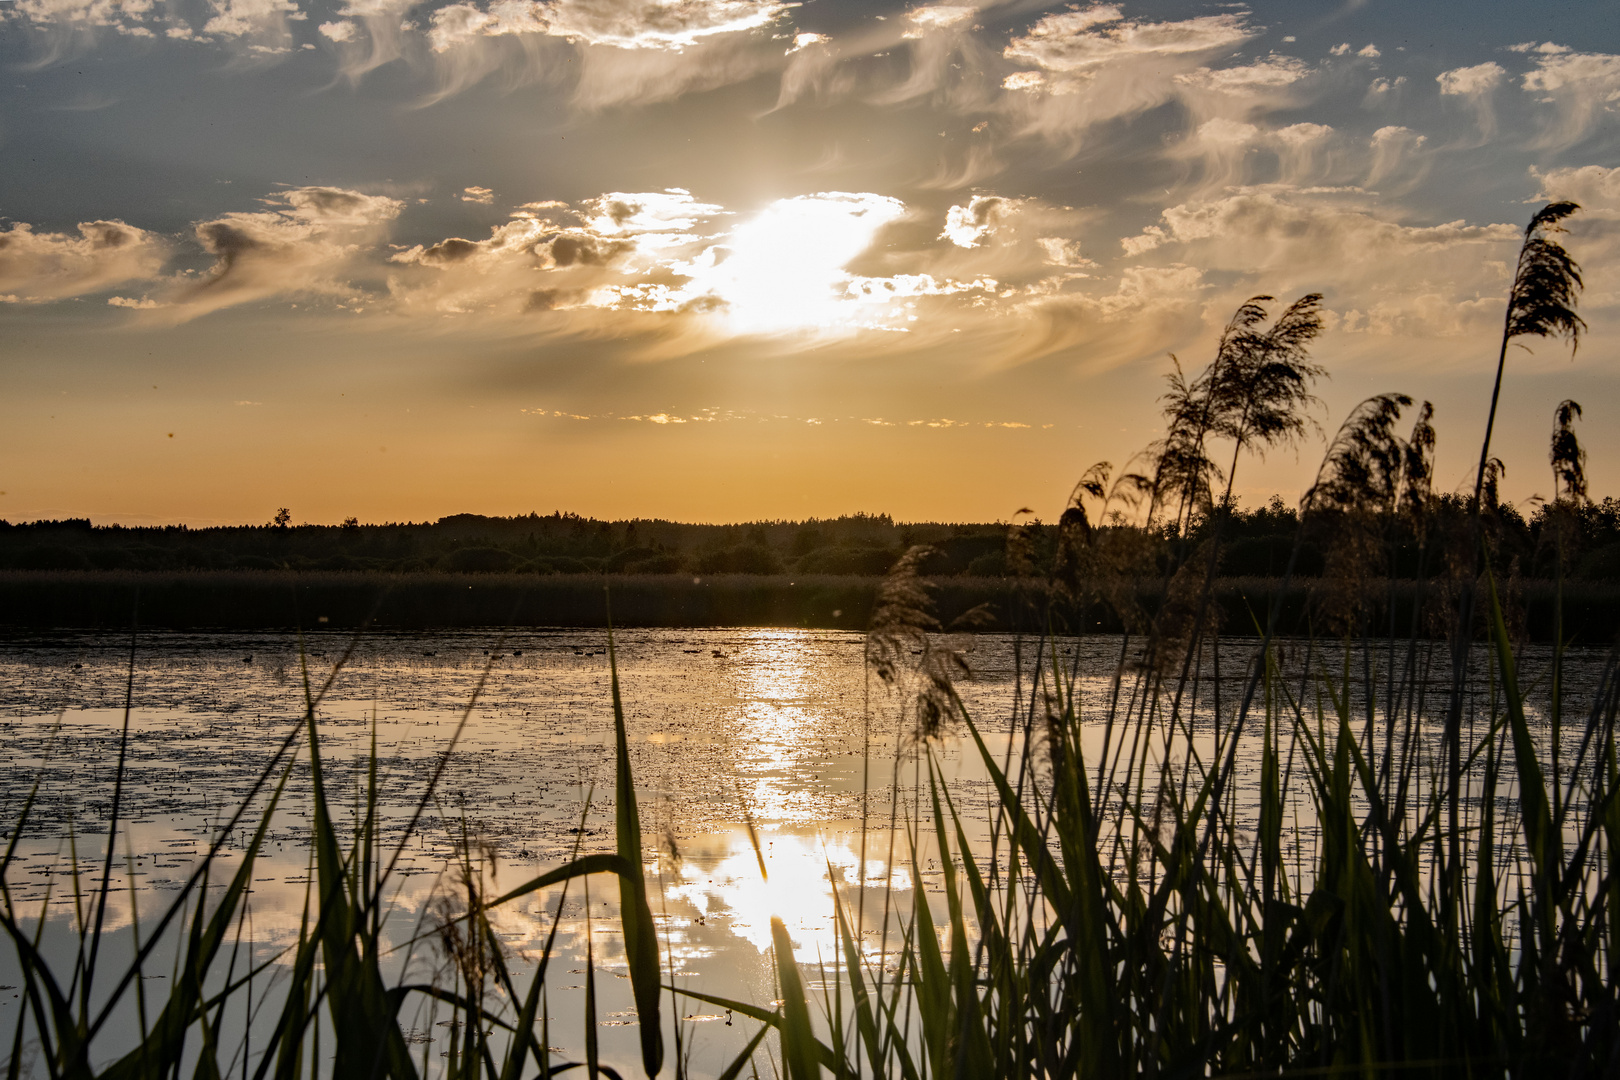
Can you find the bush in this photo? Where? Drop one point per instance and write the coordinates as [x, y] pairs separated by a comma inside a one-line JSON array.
[[51, 558], [868, 561], [743, 559], [478, 560]]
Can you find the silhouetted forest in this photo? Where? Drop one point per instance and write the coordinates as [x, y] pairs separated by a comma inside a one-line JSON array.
[[1256, 545]]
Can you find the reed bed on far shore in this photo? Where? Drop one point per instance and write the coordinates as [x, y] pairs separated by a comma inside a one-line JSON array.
[[320, 602]]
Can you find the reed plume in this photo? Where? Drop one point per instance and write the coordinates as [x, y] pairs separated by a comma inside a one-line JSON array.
[[1546, 285], [1256, 392], [904, 649], [1357, 490], [1567, 456], [1417, 470]]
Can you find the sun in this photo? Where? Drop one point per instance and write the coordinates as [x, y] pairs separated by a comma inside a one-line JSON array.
[[785, 268]]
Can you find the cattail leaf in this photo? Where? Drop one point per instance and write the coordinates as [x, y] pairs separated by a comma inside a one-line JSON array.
[[1540, 835], [860, 1000], [640, 933], [798, 1038], [734, 1070]]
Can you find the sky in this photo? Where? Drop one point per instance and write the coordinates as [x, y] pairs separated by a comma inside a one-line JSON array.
[[728, 260]]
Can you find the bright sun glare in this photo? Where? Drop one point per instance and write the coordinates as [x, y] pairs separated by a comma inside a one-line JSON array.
[[798, 890], [784, 269]]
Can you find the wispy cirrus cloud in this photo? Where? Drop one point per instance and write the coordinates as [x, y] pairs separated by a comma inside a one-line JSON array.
[[655, 24], [1071, 47], [368, 34], [1583, 89], [1474, 87], [1081, 68], [630, 50], [1398, 156]]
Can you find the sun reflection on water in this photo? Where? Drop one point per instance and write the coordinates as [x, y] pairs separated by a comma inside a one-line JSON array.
[[799, 889], [774, 688]]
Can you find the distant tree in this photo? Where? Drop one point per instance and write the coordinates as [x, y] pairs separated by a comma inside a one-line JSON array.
[[282, 519]]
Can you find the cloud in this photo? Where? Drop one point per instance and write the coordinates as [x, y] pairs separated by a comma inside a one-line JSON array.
[[38, 267], [1131, 316], [1060, 251], [968, 226], [368, 34], [1594, 237], [614, 77], [261, 19], [131, 17], [1267, 74], [673, 210], [1082, 68], [785, 268], [1227, 152], [621, 24], [713, 415], [458, 24], [493, 275], [300, 244], [1584, 88], [66, 28], [617, 52], [656, 24], [1396, 151], [804, 39], [1436, 281], [535, 262], [1471, 81], [1595, 187], [1474, 85], [340, 32], [250, 27], [664, 274], [946, 62], [1383, 93], [1073, 45], [805, 265], [481, 195], [939, 17]]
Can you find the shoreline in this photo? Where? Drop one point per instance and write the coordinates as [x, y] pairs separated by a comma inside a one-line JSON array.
[[312, 600]]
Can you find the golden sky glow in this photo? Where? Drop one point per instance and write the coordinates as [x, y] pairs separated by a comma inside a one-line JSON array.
[[731, 259]]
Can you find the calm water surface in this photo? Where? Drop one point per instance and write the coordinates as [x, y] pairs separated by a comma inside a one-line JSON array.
[[780, 727]]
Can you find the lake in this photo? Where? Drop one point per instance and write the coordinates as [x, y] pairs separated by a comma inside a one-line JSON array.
[[780, 729]]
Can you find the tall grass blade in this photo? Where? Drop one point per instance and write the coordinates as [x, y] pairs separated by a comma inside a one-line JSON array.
[[640, 933], [799, 1043]]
